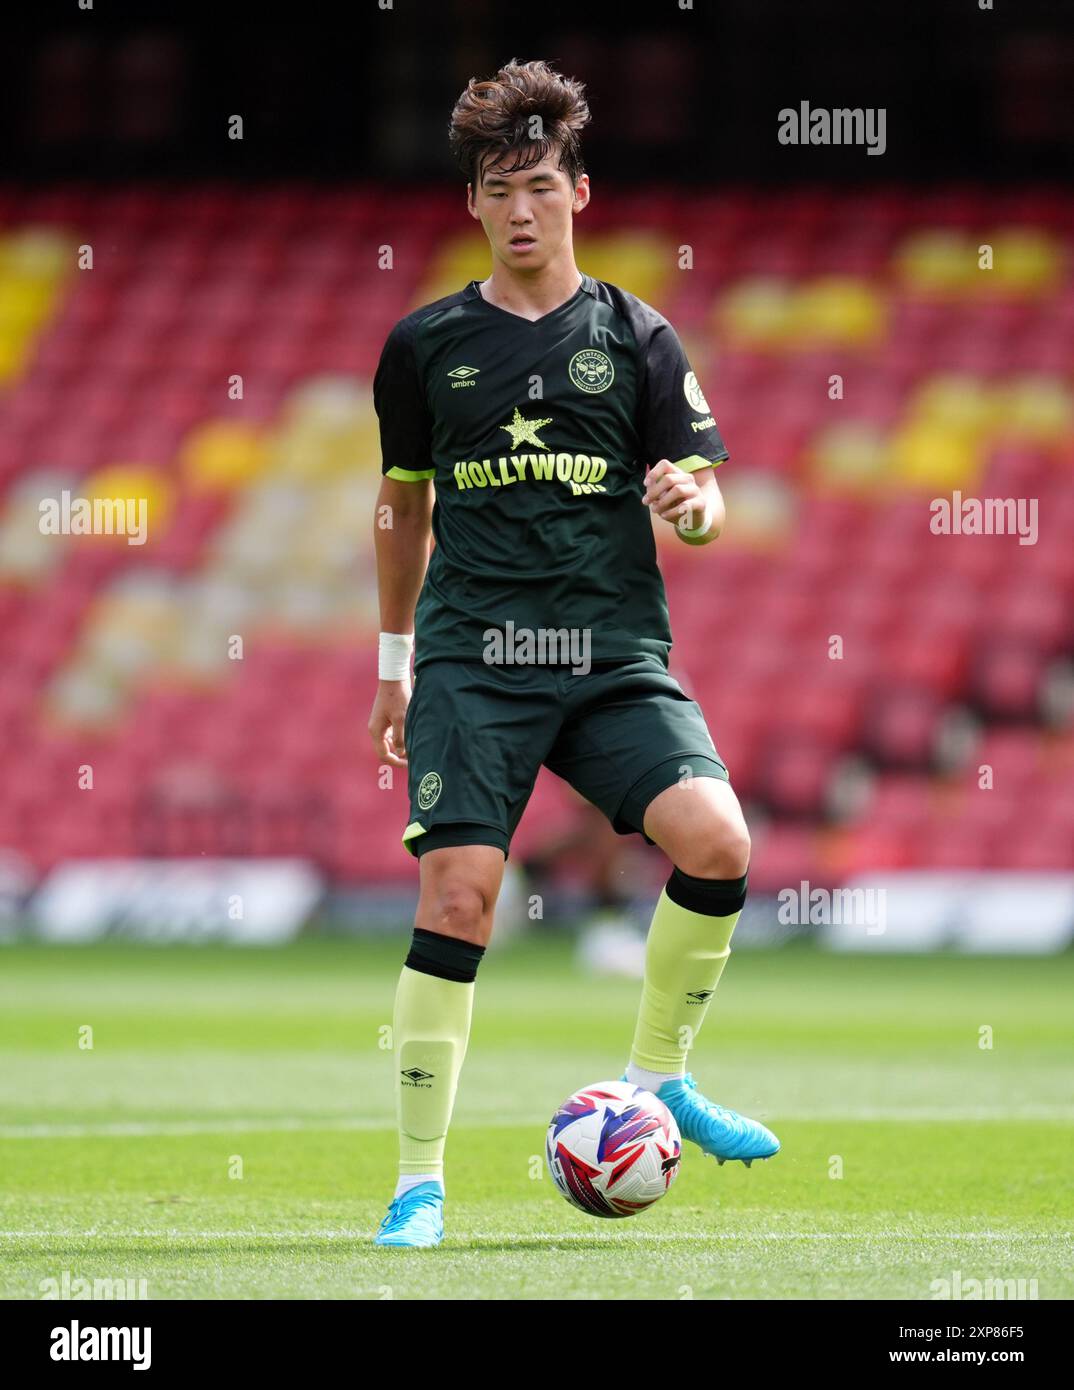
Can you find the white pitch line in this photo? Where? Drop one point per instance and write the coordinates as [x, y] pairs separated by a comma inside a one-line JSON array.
[[923, 1115], [121, 1129], [553, 1236]]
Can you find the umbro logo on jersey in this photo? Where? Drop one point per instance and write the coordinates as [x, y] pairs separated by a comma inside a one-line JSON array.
[[698, 996], [462, 377], [416, 1077]]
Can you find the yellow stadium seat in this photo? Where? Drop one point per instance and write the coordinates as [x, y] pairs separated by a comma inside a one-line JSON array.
[[37, 253], [837, 309], [1025, 260], [640, 262], [462, 258], [127, 483], [24, 304], [33, 262], [852, 456], [757, 312], [14, 350], [938, 262], [221, 455], [326, 430], [924, 454], [1036, 408], [958, 402], [84, 696]]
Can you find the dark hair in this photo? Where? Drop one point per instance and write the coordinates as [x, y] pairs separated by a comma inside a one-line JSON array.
[[494, 116]]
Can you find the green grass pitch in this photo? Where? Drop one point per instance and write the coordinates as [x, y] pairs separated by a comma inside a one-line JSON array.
[[120, 1162]]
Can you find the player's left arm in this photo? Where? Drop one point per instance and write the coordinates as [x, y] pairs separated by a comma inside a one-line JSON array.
[[691, 502], [681, 444]]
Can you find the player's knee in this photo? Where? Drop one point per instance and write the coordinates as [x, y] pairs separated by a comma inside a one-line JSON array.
[[454, 909], [722, 853]]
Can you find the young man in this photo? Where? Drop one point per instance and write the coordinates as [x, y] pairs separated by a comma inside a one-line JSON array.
[[552, 414]]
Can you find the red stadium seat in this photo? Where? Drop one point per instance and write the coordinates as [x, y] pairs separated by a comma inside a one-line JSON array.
[[1008, 680], [903, 727], [269, 281]]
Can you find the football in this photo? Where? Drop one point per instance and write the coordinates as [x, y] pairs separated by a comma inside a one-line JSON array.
[[613, 1148]]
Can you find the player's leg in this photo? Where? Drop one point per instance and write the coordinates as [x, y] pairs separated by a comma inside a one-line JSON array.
[[431, 1026], [638, 747], [475, 738], [699, 825]]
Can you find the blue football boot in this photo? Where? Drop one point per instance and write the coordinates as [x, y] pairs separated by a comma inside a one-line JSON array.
[[414, 1219], [721, 1133]]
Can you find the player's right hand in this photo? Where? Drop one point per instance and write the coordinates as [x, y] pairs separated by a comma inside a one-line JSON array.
[[387, 723]]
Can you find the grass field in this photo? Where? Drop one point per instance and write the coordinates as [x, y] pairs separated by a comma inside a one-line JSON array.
[[117, 1161]]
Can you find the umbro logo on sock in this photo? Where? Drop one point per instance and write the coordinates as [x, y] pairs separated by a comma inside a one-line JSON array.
[[417, 1077], [699, 996]]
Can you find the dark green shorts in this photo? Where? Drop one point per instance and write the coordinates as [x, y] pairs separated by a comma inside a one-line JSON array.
[[477, 736]]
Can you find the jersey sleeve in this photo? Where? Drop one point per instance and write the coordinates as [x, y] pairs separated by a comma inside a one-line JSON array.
[[675, 420], [399, 400]]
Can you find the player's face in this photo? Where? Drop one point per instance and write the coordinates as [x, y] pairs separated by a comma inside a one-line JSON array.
[[527, 214]]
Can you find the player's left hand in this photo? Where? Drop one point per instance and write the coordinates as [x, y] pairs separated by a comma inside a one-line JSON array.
[[674, 495]]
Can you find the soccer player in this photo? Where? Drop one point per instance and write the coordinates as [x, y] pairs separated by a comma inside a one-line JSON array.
[[551, 415]]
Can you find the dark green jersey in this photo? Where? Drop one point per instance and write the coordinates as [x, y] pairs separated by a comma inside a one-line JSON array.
[[537, 436]]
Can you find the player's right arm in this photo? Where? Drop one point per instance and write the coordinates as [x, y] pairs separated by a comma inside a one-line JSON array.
[[402, 524], [402, 535]]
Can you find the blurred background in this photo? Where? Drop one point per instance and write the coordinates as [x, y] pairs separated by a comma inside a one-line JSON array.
[[194, 293]]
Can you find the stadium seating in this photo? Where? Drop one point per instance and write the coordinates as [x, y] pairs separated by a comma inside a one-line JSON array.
[[216, 359]]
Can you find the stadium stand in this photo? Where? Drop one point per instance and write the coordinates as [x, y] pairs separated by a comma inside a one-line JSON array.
[[211, 350]]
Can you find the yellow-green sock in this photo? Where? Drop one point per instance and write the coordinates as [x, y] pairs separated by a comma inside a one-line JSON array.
[[685, 953], [431, 1029]]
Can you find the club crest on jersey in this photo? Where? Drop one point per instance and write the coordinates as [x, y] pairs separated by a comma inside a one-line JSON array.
[[694, 394], [591, 370]]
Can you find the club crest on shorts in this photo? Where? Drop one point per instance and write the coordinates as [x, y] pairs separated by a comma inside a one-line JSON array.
[[591, 370], [429, 790]]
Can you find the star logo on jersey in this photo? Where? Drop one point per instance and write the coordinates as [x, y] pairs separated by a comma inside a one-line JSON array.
[[525, 431]]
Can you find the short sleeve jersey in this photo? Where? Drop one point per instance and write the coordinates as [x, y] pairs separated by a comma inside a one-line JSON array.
[[537, 436]]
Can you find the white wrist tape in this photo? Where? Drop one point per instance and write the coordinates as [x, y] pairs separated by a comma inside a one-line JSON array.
[[394, 659], [695, 531]]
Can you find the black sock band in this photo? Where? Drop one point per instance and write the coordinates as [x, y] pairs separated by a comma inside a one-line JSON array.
[[447, 957], [715, 897]]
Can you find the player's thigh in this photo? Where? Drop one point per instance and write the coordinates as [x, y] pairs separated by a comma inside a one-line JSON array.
[[699, 825], [634, 733], [459, 888], [476, 738]]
